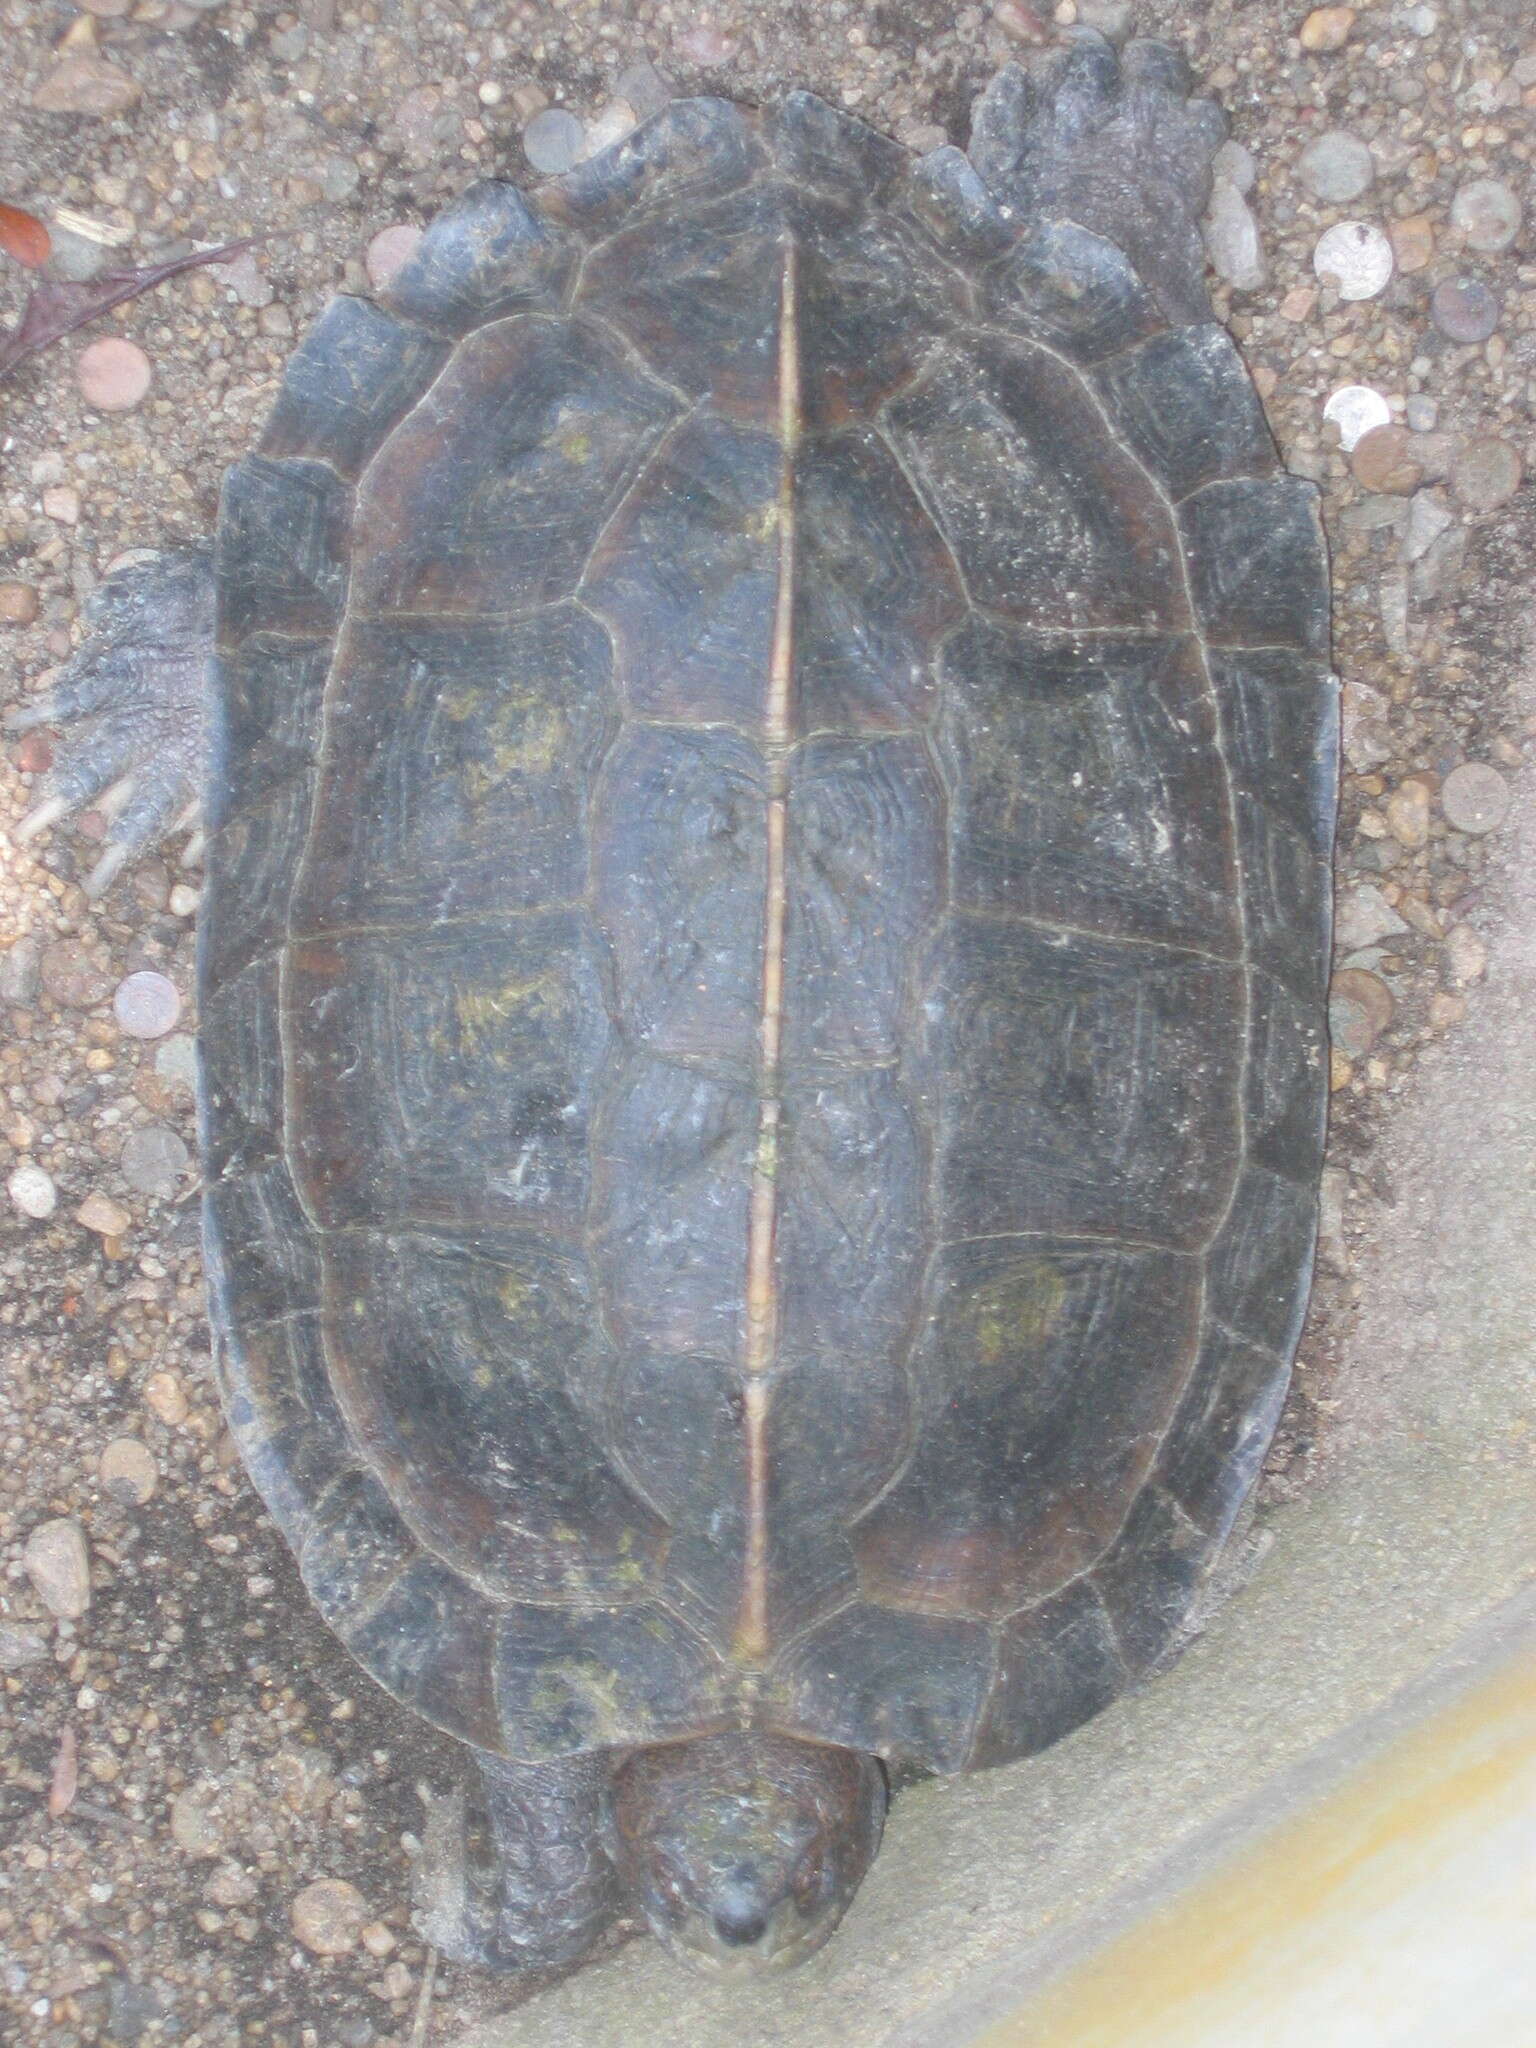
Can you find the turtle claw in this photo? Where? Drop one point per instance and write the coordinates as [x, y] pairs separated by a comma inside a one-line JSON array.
[[140, 680], [40, 817]]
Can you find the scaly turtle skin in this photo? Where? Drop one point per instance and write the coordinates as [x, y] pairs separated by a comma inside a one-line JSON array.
[[762, 978]]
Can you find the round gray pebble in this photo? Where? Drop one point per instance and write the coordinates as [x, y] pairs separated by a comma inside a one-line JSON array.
[[1464, 310], [1475, 798], [146, 1004], [1485, 473], [1488, 214], [553, 141], [154, 1160], [1336, 168]]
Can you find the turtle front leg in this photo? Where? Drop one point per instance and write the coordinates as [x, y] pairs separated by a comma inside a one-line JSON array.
[[517, 1878], [1114, 144], [140, 681]]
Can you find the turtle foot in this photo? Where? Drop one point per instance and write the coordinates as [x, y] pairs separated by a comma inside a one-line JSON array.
[[139, 683], [1114, 144], [516, 1877]]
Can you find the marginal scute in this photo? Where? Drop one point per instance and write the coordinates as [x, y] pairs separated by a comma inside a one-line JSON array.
[[250, 878], [1149, 1581], [1257, 569], [356, 1548], [268, 692], [574, 1680], [951, 200], [1280, 732], [1219, 1437], [429, 1641], [484, 257], [1073, 289], [1186, 404], [907, 1686], [1261, 1261], [691, 152], [1057, 1666], [1285, 1102], [283, 549], [241, 1048], [348, 384], [819, 145], [1280, 717]]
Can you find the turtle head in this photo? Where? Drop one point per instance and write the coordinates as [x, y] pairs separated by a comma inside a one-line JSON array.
[[744, 1850]]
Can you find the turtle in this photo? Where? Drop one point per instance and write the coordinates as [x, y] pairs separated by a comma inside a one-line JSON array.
[[768, 759]]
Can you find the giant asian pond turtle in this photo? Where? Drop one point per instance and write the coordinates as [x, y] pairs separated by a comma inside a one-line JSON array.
[[769, 792]]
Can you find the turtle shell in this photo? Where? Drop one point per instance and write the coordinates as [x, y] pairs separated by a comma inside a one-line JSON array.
[[764, 951]]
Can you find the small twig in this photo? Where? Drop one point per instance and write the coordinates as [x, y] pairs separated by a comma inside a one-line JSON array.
[[87, 1809], [424, 2002]]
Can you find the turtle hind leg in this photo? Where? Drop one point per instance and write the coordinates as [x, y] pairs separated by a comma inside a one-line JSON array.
[[1113, 143], [513, 1875], [138, 686]]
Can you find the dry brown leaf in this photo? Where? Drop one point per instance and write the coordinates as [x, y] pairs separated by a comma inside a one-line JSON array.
[[53, 310], [23, 237]]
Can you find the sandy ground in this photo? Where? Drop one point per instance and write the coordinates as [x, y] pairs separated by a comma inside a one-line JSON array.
[[208, 1752]]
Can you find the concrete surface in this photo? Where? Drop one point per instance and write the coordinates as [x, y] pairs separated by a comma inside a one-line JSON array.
[[1425, 1522]]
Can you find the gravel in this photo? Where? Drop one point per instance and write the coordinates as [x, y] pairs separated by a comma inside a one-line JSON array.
[[1337, 168]]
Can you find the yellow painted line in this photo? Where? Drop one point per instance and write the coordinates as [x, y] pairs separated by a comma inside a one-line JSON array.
[[1400, 1909]]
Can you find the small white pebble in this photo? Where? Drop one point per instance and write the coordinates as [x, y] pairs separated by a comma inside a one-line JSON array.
[[32, 1191], [490, 92]]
